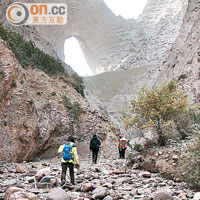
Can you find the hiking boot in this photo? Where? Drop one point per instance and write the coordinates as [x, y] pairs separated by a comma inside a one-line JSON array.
[[68, 186], [62, 183]]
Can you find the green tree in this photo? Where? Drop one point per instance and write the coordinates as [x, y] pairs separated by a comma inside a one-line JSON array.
[[156, 108]]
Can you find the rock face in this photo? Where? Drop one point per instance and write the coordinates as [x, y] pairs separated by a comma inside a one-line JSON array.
[[121, 44], [33, 114], [153, 33], [183, 62], [110, 42]]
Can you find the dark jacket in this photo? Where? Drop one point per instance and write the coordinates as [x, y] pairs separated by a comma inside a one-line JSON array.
[[95, 143]]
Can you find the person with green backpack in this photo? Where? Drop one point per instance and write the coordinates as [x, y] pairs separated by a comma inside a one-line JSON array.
[[69, 159]]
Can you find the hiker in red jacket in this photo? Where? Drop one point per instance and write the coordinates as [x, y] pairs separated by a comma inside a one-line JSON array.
[[122, 147]]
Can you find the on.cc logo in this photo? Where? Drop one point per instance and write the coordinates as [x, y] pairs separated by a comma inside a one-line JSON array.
[[17, 14]]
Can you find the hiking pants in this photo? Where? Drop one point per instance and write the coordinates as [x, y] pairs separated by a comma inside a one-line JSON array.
[[122, 153], [64, 170], [94, 156]]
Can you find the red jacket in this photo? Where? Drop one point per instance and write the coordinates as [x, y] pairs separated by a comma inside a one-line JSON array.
[[122, 144]]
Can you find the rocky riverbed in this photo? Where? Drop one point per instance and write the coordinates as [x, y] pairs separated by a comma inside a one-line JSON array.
[[109, 179]]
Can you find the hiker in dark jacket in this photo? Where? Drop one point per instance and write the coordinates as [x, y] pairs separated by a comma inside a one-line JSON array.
[[94, 147]]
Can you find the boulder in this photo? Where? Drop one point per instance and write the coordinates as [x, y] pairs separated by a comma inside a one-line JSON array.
[[87, 187], [162, 195], [22, 195], [44, 185], [12, 190], [146, 174], [42, 173], [30, 179], [100, 193], [9, 182], [58, 194], [175, 157], [197, 196], [48, 179], [108, 198], [118, 172], [19, 169]]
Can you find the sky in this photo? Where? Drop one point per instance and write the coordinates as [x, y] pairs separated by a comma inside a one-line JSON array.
[[73, 53]]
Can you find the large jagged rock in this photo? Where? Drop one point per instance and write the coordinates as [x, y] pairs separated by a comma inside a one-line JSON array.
[[32, 113], [110, 42]]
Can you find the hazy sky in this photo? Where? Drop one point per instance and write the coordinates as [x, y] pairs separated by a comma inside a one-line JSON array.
[[126, 8], [74, 55]]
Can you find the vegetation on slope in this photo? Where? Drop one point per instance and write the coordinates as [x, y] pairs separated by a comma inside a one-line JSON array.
[[157, 108], [75, 108], [29, 55]]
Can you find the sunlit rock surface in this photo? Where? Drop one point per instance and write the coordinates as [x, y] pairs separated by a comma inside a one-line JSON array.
[[110, 42]]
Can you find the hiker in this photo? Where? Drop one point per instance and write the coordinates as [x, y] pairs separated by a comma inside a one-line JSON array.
[[69, 159], [94, 147], [122, 147]]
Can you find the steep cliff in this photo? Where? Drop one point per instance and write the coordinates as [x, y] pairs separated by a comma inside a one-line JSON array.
[[110, 42], [183, 62], [155, 31], [38, 111]]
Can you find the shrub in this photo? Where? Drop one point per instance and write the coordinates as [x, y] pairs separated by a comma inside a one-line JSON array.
[[138, 147], [190, 165], [53, 93], [75, 109], [5, 123], [22, 81], [155, 108], [80, 89], [182, 76], [14, 84], [195, 118], [182, 123], [31, 102]]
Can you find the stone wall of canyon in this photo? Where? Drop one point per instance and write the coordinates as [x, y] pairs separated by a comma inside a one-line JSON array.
[[131, 52], [181, 59], [184, 57], [33, 115], [110, 42]]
